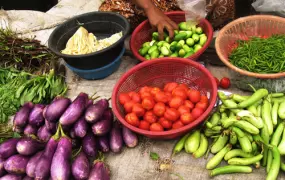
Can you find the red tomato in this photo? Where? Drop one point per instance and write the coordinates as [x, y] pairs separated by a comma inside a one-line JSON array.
[[171, 114], [150, 117], [196, 112], [144, 125], [135, 96], [179, 92], [159, 109], [201, 105], [183, 86], [169, 87], [194, 95], [183, 109], [175, 102], [132, 119], [144, 89], [123, 98], [189, 104], [154, 90], [145, 95], [161, 97], [225, 83], [165, 123], [177, 125], [217, 81], [128, 106], [138, 109], [156, 127], [186, 118], [148, 103], [204, 99], [168, 96]]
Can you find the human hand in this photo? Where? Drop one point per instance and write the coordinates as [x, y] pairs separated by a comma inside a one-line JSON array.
[[160, 21]]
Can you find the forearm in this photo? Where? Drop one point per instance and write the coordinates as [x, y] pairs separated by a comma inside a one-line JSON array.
[[146, 5]]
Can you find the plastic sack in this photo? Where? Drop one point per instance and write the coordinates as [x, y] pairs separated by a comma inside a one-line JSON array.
[[277, 6], [194, 10]]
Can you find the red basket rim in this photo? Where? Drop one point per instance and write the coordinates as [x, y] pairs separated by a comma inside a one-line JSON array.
[[174, 131], [194, 56]]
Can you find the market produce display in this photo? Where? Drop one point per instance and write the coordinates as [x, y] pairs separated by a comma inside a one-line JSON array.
[[260, 54], [53, 131], [187, 41], [245, 131], [162, 109], [83, 42]]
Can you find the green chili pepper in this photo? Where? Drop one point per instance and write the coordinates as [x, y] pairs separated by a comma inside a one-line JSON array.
[[180, 144], [216, 160], [255, 97]]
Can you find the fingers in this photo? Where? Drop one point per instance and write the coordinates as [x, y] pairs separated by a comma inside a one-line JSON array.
[[170, 30], [173, 24], [160, 28]]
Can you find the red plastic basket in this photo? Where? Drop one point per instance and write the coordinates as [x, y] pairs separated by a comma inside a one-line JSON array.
[[144, 31], [157, 73]]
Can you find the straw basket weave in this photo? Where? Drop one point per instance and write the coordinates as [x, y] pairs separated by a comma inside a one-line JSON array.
[[242, 29]]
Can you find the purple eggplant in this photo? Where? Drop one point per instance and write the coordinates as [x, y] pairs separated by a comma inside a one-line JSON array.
[[89, 145], [11, 177], [28, 146], [99, 171], [72, 133], [95, 112], [105, 124], [31, 166], [74, 110], [129, 137], [16, 164], [42, 170], [80, 167], [80, 128], [36, 116], [53, 111], [116, 140], [103, 142], [50, 126], [30, 130], [22, 116], [28, 178], [8, 148], [2, 170], [44, 134], [60, 166], [89, 102]]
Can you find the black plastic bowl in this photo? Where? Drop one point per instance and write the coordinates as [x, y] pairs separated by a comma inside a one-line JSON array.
[[102, 25]]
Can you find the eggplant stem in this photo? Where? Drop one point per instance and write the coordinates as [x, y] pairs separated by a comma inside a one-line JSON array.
[[57, 135], [109, 99], [75, 154], [62, 132]]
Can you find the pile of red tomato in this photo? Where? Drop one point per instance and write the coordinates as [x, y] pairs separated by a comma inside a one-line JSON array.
[[156, 109]]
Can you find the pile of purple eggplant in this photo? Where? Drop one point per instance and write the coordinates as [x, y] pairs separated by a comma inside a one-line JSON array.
[[82, 124]]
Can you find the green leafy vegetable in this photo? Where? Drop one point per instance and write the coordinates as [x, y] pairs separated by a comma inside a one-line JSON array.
[[260, 55], [154, 156]]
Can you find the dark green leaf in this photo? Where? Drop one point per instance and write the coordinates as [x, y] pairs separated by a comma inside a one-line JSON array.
[[154, 156]]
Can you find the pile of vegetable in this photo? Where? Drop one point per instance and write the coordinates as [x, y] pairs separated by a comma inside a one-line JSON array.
[[156, 109], [17, 87], [260, 54], [25, 54], [245, 131], [187, 40], [52, 131]]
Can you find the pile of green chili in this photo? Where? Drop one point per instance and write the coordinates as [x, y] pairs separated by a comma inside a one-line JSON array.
[[260, 55]]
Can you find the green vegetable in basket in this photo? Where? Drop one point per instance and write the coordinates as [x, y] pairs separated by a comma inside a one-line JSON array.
[[181, 53], [190, 42], [260, 55], [195, 37], [180, 36]]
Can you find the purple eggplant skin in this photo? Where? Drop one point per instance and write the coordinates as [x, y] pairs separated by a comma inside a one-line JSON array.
[[103, 142], [28, 178], [80, 128], [36, 115], [61, 166], [129, 137], [89, 102], [30, 130], [53, 111], [72, 133], [89, 145], [80, 167], [11, 177], [2, 170], [16, 164], [43, 134], [74, 110], [50, 126], [116, 139], [95, 112], [42, 170], [22, 116], [31, 166], [8, 148], [99, 171], [105, 124], [28, 146]]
